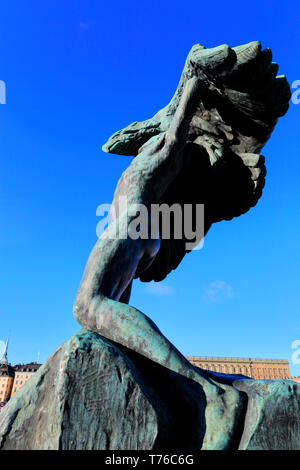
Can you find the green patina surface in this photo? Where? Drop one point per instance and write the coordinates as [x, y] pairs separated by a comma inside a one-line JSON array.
[[273, 415]]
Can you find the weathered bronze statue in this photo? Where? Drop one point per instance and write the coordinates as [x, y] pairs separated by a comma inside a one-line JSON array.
[[119, 383], [203, 147]]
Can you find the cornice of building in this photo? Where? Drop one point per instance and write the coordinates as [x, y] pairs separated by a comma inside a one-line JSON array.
[[23, 367], [247, 360]]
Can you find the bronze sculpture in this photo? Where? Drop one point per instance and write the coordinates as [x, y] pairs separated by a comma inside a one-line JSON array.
[[119, 383], [224, 110]]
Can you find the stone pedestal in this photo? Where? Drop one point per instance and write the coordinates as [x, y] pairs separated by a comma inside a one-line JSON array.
[[93, 394]]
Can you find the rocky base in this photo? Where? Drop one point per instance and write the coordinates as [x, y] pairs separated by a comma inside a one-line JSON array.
[[92, 394]]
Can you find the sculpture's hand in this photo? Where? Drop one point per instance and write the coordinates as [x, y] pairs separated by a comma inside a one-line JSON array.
[[176, 128]]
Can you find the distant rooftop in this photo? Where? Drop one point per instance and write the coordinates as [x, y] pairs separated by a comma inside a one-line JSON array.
[[31, 367], [235, 359], [6, 370]]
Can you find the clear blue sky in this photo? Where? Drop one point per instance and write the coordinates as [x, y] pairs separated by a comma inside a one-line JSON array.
[[77, 71]]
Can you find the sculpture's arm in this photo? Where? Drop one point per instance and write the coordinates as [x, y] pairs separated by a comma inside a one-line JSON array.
[[161, 160], [115, 259]]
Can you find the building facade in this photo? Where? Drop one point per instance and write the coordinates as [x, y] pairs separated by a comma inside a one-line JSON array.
[[23, 372], [13, 377], [6, 382], [6, 376], [254, 368]]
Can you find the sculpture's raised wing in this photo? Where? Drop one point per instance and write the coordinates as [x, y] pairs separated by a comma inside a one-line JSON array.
[[245, 100], [229, 127]]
